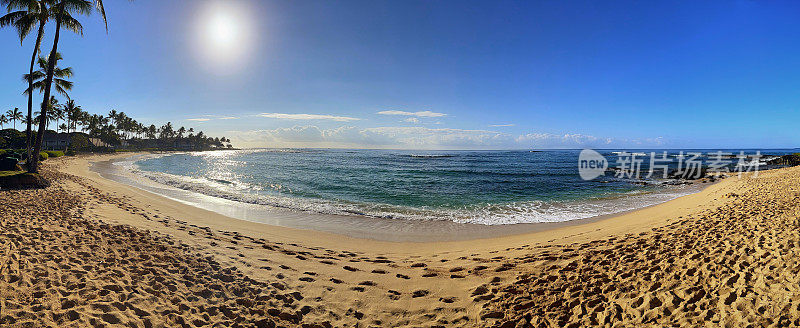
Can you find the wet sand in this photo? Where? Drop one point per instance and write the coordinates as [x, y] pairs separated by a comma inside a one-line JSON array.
[[91, 251], [382, 229]]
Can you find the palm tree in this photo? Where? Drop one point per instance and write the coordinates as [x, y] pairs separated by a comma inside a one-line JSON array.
[[140, 129], [95, 123], [72, 113], [14, 115], [166, 131], [62, 11], [3, 120], [24, 15], [113, 115], [60, 75], [57, 114], [151, 131], [53, 115]]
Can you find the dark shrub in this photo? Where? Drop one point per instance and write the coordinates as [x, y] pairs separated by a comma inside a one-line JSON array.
[[79, 142], [10, 138]]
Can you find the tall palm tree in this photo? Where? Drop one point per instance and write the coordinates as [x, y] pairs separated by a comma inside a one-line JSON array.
[[57, 114], [152, 131], [14, 115], [140, 129], [3, 120], [24, 15], [51, 115], [62, 11], [72, 113], [113, 115], [60, 76]]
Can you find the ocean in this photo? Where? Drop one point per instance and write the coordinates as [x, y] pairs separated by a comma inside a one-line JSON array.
[[477, 187]]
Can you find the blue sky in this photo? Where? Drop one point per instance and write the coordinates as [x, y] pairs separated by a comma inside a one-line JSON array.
[[442, 74]]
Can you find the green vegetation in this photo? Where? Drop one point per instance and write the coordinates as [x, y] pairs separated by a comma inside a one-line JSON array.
[[54, 153], [14, 115], [10, 138], [79, 142], [21, 179], [113, 132], [26, 16], [10, 173]]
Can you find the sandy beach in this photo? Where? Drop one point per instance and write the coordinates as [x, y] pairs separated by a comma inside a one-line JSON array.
[[89, 251]]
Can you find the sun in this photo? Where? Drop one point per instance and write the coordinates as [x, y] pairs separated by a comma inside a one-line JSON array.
[[224, 37]]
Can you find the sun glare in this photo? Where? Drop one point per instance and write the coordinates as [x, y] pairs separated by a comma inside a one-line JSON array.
[[224, 36]]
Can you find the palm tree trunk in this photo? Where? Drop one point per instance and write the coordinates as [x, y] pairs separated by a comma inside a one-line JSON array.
[[28, 133], [48, 82]]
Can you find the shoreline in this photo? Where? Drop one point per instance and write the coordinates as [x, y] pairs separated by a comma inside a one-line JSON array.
[[637, 220], [371, 228], [654, 266]]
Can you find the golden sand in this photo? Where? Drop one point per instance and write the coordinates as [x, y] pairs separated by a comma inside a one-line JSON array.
[[91, 252]]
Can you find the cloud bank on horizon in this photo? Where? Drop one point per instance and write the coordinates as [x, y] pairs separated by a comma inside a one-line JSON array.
[[416, 130], [417, 137]]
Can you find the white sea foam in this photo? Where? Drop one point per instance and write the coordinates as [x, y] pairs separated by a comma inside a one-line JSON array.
[[490, 214]]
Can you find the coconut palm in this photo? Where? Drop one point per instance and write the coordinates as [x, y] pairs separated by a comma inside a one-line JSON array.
[[151, 131], [56, 113], [3, 120], [24, 16], [51, 115], [14, 115], [62, 12], [72, 113], [59, 77]]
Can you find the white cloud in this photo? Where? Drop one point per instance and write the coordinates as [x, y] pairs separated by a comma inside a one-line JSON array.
[[308, 117], [500, 125], [425, 113], [380, 137], [411, 120], [206, 118], [549, 140], [416, 137]]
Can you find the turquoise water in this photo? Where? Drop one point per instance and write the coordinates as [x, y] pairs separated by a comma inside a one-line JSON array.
[[485, 187]]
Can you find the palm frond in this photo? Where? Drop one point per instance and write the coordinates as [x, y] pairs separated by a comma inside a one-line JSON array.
[[11, 17], [62, 72], [64, 84], [37, 75], [99, 5], [30, 5], [83, 7], [62, 89], [70, 23], [22, 22]]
